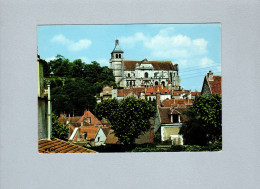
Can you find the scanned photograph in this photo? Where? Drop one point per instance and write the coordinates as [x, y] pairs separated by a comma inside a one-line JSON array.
[[129, 88]]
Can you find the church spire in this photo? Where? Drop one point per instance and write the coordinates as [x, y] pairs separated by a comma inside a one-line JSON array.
[[117, 49]]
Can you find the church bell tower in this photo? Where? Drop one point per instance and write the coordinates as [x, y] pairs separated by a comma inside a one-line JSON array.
[[117, 64]]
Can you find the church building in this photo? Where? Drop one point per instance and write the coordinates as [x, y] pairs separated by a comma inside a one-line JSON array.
[[132, 73]]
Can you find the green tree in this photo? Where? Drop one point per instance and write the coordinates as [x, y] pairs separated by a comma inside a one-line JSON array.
[[59, 130], [205, 121], [129, 118]]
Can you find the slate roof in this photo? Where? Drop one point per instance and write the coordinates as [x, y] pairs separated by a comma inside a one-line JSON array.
[[59, 146], [215, 86], [157, 65]]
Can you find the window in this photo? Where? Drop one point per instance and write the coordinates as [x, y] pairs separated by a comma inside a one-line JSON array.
[[175, 118], [119, 55], [171, 76], [156, 82], [98, 139], [146, 75], [163, 83], [88, 119], [116, 55], [128, 74], [85, 135]]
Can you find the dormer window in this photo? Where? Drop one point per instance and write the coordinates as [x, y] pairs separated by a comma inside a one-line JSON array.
[[85, 135]]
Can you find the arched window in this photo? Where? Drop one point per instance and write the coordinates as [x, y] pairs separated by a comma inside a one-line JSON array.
[[130, 83], [119, 55], [163, 83], [171, 77], [146, 75], [156, 82], [128, 74], [150, 98], [116, 55]]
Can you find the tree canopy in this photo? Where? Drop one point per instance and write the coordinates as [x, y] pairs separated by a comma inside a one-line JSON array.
[[75, 85], [59, 130], [129, 118], [205, 121]]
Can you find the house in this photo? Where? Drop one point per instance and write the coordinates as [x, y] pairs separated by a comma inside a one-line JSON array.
[[88, 135], [133, 73], [169, 120], [106, 93], [211, 84], [148, 93]]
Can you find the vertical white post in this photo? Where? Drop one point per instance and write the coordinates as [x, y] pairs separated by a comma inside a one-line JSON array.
[[49, 112]]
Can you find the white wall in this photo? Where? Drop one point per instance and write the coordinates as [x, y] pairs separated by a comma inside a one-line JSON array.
[[100, 137]]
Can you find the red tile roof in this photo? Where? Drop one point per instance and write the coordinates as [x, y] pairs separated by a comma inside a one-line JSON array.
[[195, 93], [135, 90], [90, 130], [215, 86], [165, 113], [177, 102], [94, 120], [158, 65], [59, 146], [111, 138]]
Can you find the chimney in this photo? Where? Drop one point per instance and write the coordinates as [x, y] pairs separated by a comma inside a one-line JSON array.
[[49, 129], [188, 100], [210, 76], [158, 95]]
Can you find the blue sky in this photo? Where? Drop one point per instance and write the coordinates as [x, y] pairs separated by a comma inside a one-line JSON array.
[[195, 47]]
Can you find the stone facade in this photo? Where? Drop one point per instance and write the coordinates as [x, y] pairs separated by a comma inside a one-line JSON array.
[[143, 73]]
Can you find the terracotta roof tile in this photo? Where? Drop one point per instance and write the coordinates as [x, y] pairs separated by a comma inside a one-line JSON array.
[[215, 85], [59, 146], [177, 102], [165, 113], [111, 138]]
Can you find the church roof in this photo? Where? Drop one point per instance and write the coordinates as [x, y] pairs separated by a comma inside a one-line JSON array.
[[157, 65], [117, 49]]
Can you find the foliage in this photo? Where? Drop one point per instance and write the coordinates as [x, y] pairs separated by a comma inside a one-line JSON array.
[[74, 85], [59, 130], [205, 121], [129, 118]]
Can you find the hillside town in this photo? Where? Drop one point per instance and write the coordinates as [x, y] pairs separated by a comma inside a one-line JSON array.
[[165, 118]]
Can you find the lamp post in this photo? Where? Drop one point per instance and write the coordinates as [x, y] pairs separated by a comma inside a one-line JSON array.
[[49, 111]]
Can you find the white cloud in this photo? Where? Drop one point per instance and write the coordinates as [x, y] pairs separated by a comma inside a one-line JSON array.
[[80, 45], [205, 62], [72, 45], [167, 45], [50, 58], [103, 62], [130, 41]]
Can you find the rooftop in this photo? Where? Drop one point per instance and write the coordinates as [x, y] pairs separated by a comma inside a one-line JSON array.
[[59, 146]]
